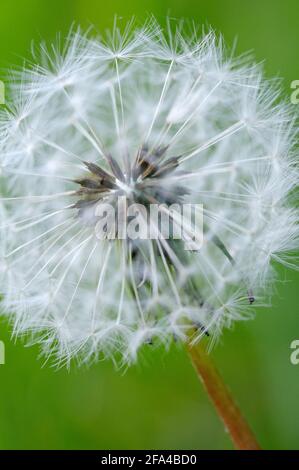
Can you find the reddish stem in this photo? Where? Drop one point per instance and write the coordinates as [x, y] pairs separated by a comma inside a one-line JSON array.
[[221, 397]]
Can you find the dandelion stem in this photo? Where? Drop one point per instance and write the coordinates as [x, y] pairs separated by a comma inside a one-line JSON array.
[[228, 411]]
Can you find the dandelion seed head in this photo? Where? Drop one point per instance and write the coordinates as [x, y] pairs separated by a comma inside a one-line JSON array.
[[150, 115]]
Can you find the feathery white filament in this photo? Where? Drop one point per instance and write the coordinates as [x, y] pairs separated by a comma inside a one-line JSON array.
[[102, 101]]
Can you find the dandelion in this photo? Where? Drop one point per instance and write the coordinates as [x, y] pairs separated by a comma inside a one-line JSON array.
[[153, 117]]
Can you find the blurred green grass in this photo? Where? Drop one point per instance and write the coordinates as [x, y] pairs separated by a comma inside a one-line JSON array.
[[159, 403]]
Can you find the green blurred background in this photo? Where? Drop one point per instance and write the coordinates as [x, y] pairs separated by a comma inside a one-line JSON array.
[[159, 403]]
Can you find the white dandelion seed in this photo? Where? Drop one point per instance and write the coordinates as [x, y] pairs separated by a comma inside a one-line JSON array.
[[155, 117]]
